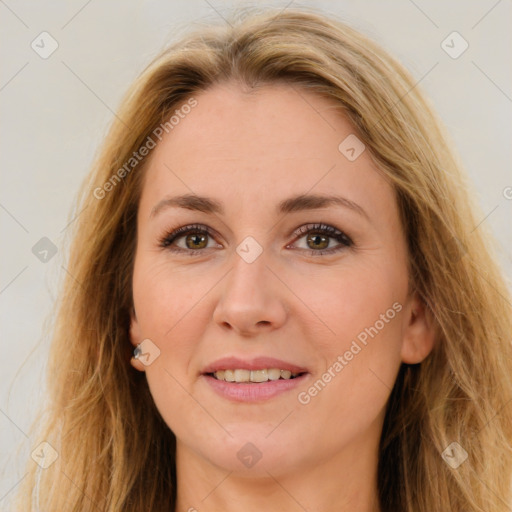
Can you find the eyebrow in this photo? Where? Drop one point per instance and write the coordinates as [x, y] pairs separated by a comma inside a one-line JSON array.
[[293, 204]]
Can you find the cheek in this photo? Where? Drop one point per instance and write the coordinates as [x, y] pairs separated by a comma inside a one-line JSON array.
[[167, 304], [359, 366], [360, 355], [164, 297], [356, 301], [169, 312]]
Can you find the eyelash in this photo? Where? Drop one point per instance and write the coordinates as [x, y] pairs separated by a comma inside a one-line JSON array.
[[324, 229]]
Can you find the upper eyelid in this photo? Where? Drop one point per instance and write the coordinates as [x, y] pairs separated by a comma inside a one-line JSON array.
[[301, 230]]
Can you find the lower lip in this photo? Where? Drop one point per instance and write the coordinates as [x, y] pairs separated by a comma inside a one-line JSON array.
[[255, 392]]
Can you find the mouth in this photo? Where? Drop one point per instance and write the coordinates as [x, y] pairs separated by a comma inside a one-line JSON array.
[[244, 376], [253, 380]]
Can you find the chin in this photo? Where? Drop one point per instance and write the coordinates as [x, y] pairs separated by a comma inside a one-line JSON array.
[[254, 450]]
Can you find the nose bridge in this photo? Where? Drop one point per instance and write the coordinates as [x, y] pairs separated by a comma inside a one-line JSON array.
[[249, 271], [248, 280], [249, 262], [249, 297]]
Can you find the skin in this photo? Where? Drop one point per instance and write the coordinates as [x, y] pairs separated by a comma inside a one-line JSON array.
[[249, 151]]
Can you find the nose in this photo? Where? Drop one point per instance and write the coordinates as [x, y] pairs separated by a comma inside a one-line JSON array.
[[252, 299]]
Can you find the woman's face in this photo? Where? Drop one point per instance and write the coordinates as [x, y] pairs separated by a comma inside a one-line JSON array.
[[294, 260]]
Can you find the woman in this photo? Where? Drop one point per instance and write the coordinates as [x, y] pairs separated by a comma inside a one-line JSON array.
[[283, 303]]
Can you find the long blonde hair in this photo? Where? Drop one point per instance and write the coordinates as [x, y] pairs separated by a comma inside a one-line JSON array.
[[115, 451]]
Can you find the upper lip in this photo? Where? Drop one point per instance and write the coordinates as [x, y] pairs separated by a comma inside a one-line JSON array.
[[257, 363]]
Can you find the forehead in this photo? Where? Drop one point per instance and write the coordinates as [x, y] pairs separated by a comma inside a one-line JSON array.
[[268, 143]]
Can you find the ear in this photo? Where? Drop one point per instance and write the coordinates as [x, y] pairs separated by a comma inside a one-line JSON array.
[[135, 338], [418, 335]]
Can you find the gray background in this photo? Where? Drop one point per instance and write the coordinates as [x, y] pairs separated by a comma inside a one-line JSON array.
[[55, 112]]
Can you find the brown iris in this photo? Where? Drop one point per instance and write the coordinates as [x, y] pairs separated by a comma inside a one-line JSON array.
[[320, 241], [196, 241]]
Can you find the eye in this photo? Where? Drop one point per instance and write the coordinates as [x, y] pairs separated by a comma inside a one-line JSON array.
[[318, 238], [190, 239]]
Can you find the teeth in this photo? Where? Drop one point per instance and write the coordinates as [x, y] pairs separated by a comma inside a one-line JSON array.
[[274, 374], [286, 374], [229, 376], [241, 375], [259, 376]]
